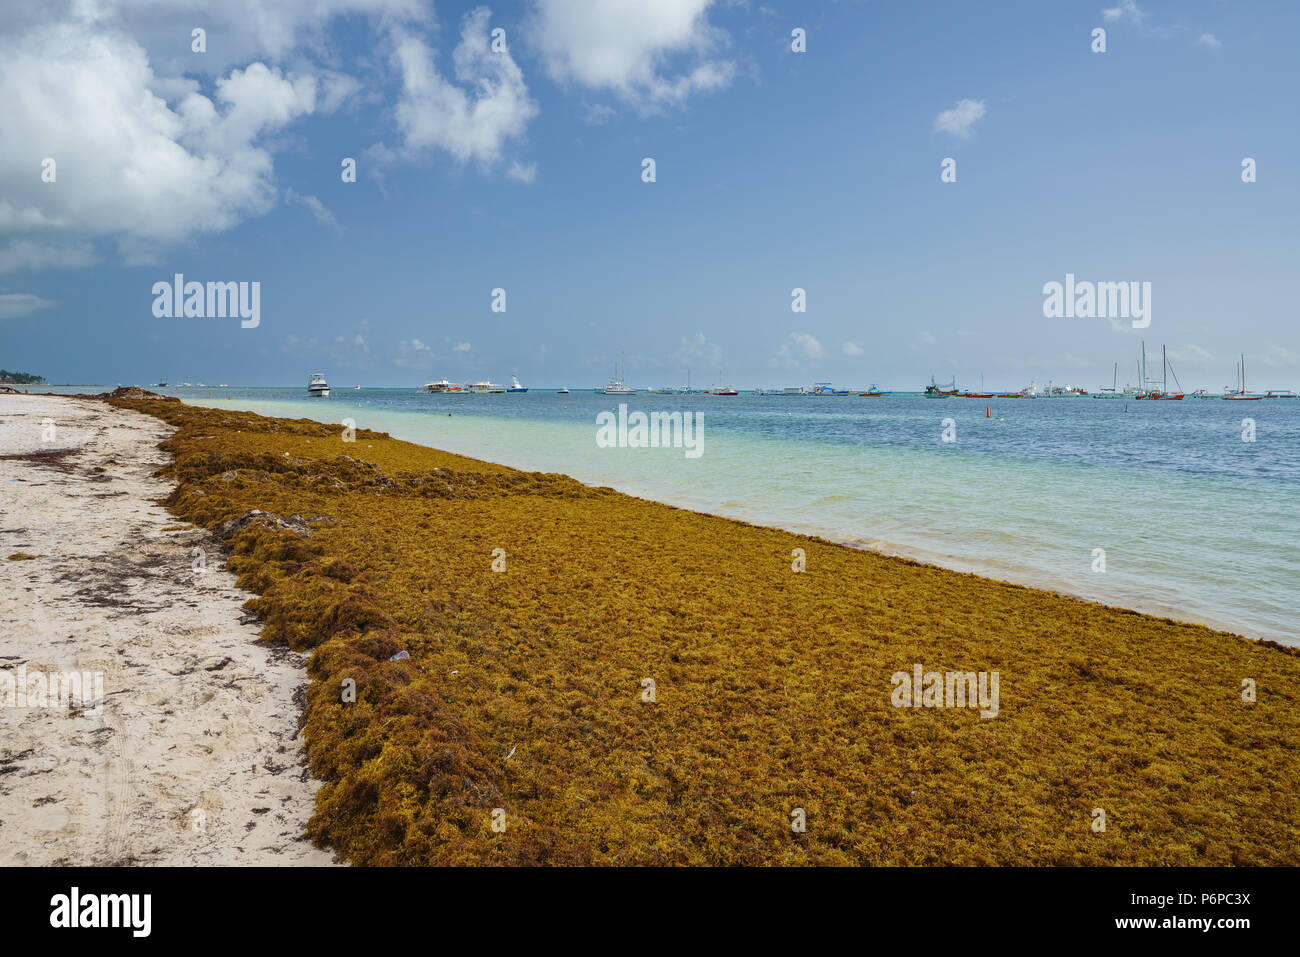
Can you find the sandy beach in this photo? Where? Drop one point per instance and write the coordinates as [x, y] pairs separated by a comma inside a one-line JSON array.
[[192, 756]]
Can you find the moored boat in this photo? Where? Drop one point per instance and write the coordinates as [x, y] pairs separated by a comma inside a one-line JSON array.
[[936, 391], [1240, 394], [617, 386], [317, 386], [443, 387]]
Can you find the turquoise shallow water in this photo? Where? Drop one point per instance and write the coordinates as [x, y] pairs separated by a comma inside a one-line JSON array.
[[1196, 524]]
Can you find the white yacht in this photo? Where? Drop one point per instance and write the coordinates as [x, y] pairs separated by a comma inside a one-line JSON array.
[[616, 385], [317, 386], [443, 387]]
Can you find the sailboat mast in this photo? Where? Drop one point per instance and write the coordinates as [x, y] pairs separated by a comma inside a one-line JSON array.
[[1164, 371]]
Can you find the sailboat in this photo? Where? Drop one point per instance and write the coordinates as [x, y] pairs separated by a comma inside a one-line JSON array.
[[1165, 369], [722, 389], [1113, 392], [616, 385], [1147, 392], [1241, 395]]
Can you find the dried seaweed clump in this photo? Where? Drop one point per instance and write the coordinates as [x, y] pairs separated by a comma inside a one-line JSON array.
[[458, 714]]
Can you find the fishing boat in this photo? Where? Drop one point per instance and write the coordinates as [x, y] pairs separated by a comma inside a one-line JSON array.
[[825, 388], [515, 386], [873, 391], [794, 390], [616, 385], [486, 388], [936, 391], [317, 386], [1240, 394], [1280, 394], [564, 391]]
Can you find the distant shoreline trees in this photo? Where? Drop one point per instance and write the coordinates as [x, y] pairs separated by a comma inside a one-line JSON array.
[[21, 378]]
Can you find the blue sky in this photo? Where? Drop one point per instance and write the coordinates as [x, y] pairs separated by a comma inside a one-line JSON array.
[[774, 170]]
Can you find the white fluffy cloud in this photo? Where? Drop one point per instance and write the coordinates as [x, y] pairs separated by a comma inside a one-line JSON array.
[[127, 164], [470, 121], [959, 120], [238, 31], [14, 305], [852, 349], [522, 172], [649, 54], [154, 143], [1127, 8], [314, 206], [798, 347]]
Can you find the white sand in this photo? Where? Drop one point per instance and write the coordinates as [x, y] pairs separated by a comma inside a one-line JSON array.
[[194, 757]]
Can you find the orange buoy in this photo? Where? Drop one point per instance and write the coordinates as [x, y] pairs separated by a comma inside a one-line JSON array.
[[986, 412]]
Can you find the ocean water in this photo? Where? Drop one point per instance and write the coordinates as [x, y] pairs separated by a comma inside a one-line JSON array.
[[1196, 523]]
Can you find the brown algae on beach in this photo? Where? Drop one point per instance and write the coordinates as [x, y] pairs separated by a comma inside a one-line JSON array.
[[516, 731]]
